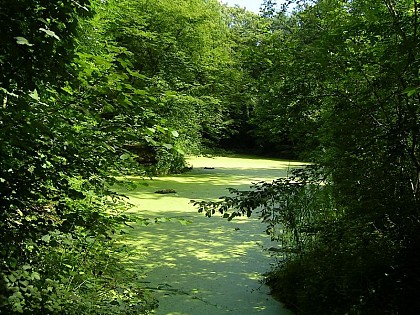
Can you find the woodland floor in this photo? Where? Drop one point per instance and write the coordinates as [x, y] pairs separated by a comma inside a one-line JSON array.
[[210, 265]]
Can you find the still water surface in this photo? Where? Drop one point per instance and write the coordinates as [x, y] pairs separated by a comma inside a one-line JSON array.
[[210, 265]]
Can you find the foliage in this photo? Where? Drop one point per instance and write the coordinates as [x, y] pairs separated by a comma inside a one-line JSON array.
[[294, 209], [339, 80], [59, 221], [43, 41], [179, 50], [88, 88], [91, 88]]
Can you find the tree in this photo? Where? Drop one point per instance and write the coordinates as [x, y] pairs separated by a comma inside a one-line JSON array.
[[59, 221], [343, 76], [268, 8], [181, 50]]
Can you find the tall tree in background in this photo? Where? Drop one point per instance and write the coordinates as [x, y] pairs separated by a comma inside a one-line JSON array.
[[239, 83], [268, 8], [182, 49]]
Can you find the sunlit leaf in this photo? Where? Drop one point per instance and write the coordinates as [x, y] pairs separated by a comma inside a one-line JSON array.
[[67, 89], [140, 92], [35, 276], [46, 238], [49, 33], [150, 131], [34, 95], [180, 151], [410, 91], [170, 93], [22, 41]]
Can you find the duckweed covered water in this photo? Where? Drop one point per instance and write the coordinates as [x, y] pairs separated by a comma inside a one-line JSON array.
[[199, 265]]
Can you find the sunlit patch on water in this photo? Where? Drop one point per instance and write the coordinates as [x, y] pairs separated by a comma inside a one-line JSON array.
[[210, 265]]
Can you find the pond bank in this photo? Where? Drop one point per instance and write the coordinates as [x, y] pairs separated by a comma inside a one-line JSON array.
[[209, 266]]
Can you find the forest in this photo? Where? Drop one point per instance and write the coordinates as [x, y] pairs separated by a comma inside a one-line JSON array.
[[91, 90]]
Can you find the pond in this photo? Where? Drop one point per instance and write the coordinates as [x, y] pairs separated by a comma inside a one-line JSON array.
[[209, 265]]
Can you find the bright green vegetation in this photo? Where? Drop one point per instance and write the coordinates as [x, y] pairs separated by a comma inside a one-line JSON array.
[[94, 89], [196, 265]]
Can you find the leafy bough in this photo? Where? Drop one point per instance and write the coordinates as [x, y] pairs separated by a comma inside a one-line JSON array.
[[294, 209]]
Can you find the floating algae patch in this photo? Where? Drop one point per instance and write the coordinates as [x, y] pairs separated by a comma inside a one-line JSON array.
[[210, 265]]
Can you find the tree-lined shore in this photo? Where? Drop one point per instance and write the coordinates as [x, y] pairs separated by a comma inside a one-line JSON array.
[[92, 90]]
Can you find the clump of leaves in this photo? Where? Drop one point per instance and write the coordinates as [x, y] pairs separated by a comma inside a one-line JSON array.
[[330, 262], [294, 209], [74, 264]]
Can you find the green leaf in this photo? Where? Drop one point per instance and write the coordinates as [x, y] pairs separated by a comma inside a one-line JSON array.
[[67, 89], [175, 133], [410, 91], [18, 306], [26, 267], [35, 276], [167, 146], [42, 20], [171, 93], [125, 156], [161, 129], [49, 33], [46, 238], [150, 140], [12, 278], [180, 151], [150, 131], [140, 92], [22, 41], [31, 169], [34, 95]]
